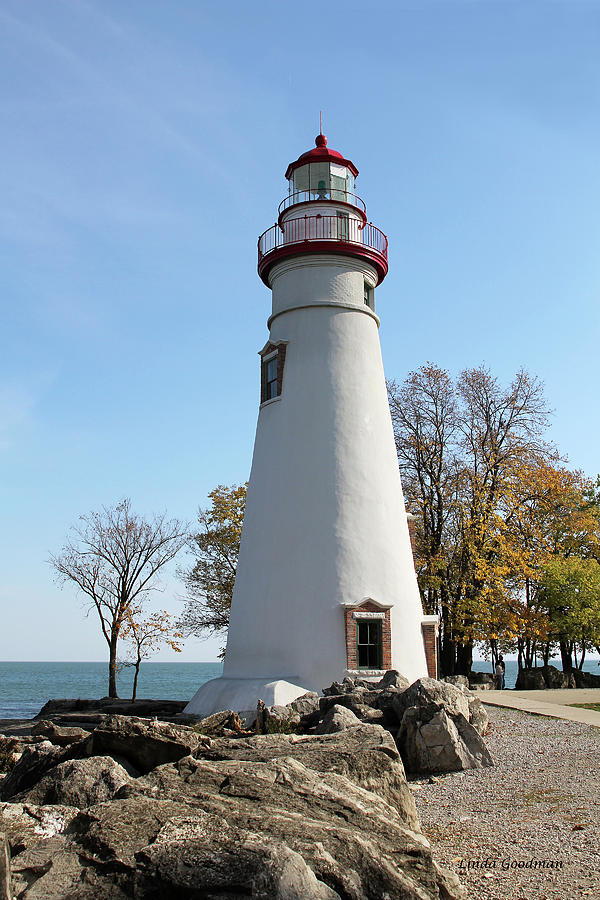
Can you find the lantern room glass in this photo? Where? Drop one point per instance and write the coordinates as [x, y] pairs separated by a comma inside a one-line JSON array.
[[322, 181]]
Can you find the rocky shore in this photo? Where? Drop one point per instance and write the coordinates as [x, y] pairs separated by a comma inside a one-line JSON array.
[[309, 801]]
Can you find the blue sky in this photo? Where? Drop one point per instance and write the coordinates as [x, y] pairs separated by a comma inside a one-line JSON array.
[[143, 151]]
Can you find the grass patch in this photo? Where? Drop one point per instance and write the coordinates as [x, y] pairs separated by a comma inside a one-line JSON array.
[[594, 706]]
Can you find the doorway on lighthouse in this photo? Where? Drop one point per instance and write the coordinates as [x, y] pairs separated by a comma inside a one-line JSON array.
[[369, 644], [343, 226]]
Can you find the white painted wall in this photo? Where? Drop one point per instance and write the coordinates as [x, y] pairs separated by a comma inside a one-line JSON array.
[[325, 523]]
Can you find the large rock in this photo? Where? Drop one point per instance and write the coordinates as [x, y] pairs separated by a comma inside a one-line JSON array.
[[272, 816], [78, 783], [427, 691], [481, 681], [34, 762], [433, 741], [337, 718], [276, 719], [305, 705], [351, 839], [60, 735], [583, 679], [478, 716], [367, 756], [143, 743], [455, 697], [542, 677], [204, 853], [26, 825], [6, 892], [392, 679]]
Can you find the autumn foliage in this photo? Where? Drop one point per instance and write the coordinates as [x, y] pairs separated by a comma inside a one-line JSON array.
[[507, 536]]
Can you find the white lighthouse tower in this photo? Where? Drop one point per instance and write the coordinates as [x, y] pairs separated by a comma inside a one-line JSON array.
[[325, 583]]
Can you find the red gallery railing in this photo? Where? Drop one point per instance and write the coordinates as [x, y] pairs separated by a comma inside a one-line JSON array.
[[339, 229]]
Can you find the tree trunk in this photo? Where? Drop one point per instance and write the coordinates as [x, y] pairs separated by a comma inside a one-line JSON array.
[[464, 658], [135, 679], [546, 653], [447, 655], [112, 666], [566, 656], [519, 654], [494, 649]]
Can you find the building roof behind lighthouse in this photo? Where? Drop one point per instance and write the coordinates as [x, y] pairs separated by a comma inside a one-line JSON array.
[[321, 153]]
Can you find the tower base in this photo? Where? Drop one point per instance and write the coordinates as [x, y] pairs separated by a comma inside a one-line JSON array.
[[241, 695]]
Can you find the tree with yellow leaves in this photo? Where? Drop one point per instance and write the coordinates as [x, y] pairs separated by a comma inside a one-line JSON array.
[[216, 548], [145, 635]]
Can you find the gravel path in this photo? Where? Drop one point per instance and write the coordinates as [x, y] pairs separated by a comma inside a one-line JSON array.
[[528, 828]]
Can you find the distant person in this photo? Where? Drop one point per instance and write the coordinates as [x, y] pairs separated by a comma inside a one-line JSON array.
[[500, 672]]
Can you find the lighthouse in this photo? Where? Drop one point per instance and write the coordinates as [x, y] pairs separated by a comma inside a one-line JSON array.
[[325, 583]]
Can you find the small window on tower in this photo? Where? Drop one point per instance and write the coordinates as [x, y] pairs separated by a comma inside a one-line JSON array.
[[271, 378], [369, 296], [271, 371], [369, 644]]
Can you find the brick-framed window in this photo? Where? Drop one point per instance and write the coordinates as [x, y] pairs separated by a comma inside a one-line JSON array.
[[369, 644], [376, 641], [271, 371]]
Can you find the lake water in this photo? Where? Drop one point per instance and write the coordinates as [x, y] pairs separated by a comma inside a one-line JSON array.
[[26, 686]]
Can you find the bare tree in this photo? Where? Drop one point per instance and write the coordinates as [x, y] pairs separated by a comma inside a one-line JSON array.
[[115, 557], [464, 452], [426, 426]]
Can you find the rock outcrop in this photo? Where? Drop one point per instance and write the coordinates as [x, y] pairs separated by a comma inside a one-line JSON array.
[[543, 677], [289, 816]]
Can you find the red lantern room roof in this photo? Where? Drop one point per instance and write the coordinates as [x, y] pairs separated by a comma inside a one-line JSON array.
[[321, 153]]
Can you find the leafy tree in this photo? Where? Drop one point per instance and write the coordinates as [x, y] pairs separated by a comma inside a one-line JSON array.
[[216, 548], [145, 635], [570, 591], [114, 558], [462, 449]]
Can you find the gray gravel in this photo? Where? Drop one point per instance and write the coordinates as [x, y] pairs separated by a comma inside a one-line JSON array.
[[530, 826]]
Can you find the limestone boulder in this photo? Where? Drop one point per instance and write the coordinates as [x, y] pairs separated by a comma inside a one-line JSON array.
[[276, 719], [143, 743], [203, 853], [337, 718], [580, 679], [367, 756], [34, 762], [427, 691], [59, 735], [481, 681], [274, 816], [78, 783], [459, 681], [6, 892], [351, 839], [306, 705], [218, 724], [25, 824], [392, 679], [433, 741], [531, 680], [478, 716]]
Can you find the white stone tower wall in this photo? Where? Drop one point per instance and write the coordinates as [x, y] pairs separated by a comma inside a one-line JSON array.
[[325, 523]]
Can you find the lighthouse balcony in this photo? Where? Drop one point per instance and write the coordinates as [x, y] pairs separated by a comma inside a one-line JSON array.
[[339, 197], [318, 233]]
